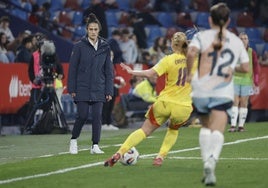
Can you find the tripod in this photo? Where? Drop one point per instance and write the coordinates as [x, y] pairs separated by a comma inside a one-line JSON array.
[[52, 116]]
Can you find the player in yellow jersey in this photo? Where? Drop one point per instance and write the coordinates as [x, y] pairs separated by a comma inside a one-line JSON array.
[[173, 103]]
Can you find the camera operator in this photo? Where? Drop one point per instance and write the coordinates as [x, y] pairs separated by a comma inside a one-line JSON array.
[[43, 69]]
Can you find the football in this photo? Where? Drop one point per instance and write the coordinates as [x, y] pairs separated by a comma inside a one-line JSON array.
[[119, 82], [130, 158]]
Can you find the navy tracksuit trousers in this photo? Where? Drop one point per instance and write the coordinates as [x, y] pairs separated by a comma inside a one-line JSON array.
[[82, 116]]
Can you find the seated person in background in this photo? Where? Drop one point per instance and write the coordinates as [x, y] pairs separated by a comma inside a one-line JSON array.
[[263, 59], [24, 53], [135, 80], [6, 56], [5, 28], [145, 90], [129, 47]]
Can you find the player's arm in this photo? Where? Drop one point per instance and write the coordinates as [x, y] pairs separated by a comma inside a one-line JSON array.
[[145, 73], [243, 67], [191, 57]]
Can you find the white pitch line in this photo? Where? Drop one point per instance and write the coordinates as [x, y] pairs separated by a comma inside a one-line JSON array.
[[9, 146], [197, 148], [50, 173], [61, 153], [223, 158], [61, 171]]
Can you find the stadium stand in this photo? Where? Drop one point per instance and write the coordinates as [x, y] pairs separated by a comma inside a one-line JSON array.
[[77, 17], [123, 4], [79, 32], [152, 32], [40, 2], [202, 19], [57, 5], [184, 19], [85, 3], [254, 34], [64, 18], [69, 15], [166, 19], [72, 5], [111, 18], [245, 19]]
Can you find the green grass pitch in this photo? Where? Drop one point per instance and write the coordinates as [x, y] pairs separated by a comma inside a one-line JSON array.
[[43, 161]]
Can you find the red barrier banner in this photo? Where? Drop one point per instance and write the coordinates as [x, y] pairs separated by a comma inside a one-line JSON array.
[[15, 86], [260, 101]]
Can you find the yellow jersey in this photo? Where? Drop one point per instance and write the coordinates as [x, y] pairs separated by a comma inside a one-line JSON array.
[[176, 89]]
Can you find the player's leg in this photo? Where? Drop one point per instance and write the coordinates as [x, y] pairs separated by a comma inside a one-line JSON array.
[[204, 137], [214, 119], [202, 107], [218, 119], [178, 117], [211, 140], [132, 140], [156, 116], [149, 126], [243, 110], [234, 116], [169, 140], [137, 136]]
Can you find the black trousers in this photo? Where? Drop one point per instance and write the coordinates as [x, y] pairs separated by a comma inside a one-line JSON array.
[[82, 116], [35, 103], [107, 111]]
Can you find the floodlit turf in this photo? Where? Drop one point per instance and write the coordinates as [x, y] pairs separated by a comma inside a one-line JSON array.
[[43, 161]]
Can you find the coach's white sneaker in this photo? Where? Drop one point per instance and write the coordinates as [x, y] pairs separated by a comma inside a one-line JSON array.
[[109, 127], [209, 170], [73, 146], [112, 127], [95, 149]]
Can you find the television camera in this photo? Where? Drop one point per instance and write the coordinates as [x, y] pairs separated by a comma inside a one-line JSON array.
[[48, 63], [47, 101]]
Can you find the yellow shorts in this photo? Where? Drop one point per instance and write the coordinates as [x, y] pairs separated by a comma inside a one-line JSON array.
[[162, 111]]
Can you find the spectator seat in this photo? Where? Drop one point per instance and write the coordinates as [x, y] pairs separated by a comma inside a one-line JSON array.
[[166, 19], [202, 19]]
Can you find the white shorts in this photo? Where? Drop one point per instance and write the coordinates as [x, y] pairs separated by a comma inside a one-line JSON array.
[[204, 105], [243, 91]]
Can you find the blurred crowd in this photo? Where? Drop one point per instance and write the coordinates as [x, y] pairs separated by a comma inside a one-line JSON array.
[[137, 36], [134, 25]]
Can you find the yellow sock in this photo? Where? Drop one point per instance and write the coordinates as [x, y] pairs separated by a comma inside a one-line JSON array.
[[168, 142], [132, 140]]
